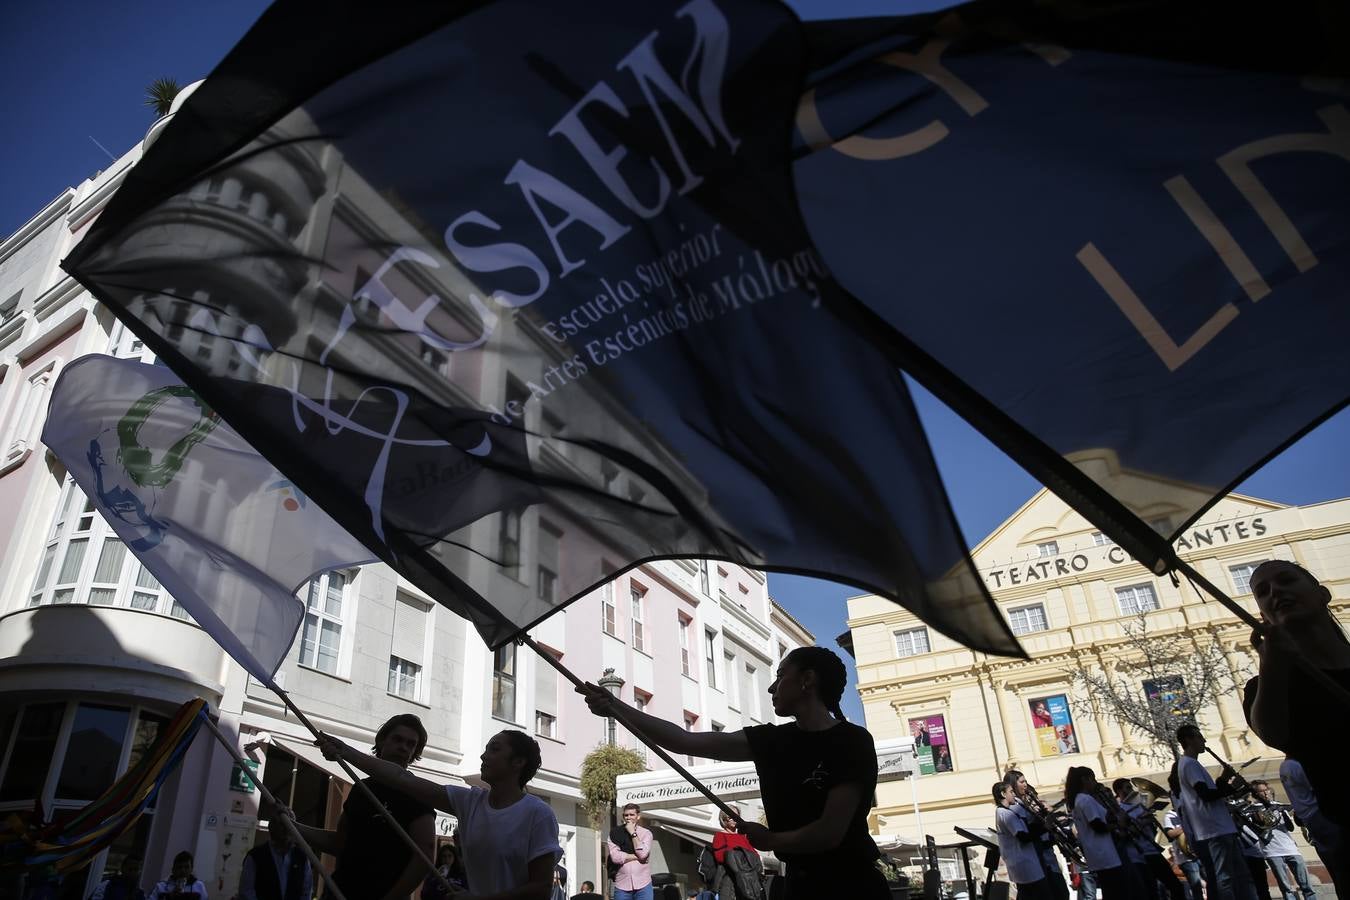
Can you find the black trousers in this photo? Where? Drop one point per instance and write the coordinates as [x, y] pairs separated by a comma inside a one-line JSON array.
[[862, 883]]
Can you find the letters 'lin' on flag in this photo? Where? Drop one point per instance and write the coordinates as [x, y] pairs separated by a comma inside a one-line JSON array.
[[223, 531], [519, 293], [1115, 237]]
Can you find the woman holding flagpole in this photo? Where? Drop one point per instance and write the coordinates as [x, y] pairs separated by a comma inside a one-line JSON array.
[[817, 775]]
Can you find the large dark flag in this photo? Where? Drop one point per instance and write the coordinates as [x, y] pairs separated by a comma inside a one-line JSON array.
[[1116, 237], [519, 293]]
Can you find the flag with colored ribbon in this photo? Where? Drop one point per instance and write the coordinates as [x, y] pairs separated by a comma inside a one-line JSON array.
[[72, 842]]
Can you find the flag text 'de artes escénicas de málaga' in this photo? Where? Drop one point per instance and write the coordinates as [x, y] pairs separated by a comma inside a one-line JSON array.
[[226, 534], [519, 293], [1115, 237]]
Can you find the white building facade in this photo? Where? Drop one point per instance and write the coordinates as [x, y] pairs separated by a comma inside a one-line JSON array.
[[94, 656]]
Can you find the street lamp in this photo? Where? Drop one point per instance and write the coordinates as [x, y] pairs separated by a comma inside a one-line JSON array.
[[614, 684]]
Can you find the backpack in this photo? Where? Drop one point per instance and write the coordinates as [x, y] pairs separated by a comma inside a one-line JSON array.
[[745, 868], [707, 865]]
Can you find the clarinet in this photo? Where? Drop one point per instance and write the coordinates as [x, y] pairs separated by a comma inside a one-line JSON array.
[[1059, 835], [1127, 826]]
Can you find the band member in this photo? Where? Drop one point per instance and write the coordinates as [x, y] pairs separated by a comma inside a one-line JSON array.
[[181, 884], [1280, 850], [1155, 869], [1215, 835], [1323, 834], [1255, 859], [817, 775], [1177, 831], [1016, 847], [1286, 707], [372, 860], [1026, 799], [1091, 823]]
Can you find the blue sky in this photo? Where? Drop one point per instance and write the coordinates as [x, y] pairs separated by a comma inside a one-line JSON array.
[[77, 73]]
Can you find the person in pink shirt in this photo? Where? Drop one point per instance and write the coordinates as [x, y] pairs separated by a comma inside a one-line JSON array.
[[629, 846]]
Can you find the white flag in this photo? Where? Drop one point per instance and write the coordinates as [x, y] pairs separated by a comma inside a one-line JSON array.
[[224, 532]]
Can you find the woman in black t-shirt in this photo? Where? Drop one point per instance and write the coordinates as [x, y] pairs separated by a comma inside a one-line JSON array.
[[817, 776], [1286, 707]]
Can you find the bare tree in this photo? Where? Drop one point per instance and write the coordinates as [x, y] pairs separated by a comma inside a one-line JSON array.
[[1157, 682]]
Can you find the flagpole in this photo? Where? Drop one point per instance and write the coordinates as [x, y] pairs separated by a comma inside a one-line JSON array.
[[286, 821], [369, 794], [619, 712], [1325, 681]]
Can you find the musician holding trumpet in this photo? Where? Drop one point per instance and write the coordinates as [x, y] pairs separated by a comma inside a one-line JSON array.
[[1097, 831], [1143, 848], [1215, 835], [1280, 850]]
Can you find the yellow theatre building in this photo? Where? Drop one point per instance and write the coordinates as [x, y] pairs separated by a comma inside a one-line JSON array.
[[1069, 593]]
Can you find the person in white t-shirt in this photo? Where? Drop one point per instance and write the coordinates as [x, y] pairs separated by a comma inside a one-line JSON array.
[[1154, 870], [1280, 850], [1324, 833], [509, 838], [1214, 835], [1016, 846], [1091, 823], [1177, 829]]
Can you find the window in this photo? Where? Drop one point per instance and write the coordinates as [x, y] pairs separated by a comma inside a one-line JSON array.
[[635, 610], [686, 664], [27, 415], [750, 691], [641, 700], [690, 720], [1047, 548], [718, 727], [729, 671], [545, 698], [504, 683], [703, 578], [31, 756], [1026, 619], [85, 562], [1242, 577], [123, 343], [321, 635], [911, 642], [546, 575], [405, 678], [10, 307], [1136, 599], [412, 619], [709, 655], [64, 754], [1101, 540], [508, 542], [782, 650], [608, 613]]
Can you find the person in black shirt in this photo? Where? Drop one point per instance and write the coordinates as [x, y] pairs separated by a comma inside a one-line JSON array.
[[817, 776], [373, 862], [1288, 709]]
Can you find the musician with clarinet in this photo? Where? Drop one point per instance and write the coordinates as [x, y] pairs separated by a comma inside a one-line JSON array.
[[1096, 836], [1280, 850], [1047, 832], [1215, 835], [1017, 847], [1178, 830], [1154, 870]]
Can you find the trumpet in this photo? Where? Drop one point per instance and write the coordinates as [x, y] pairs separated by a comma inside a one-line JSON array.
[[1056, 828]]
